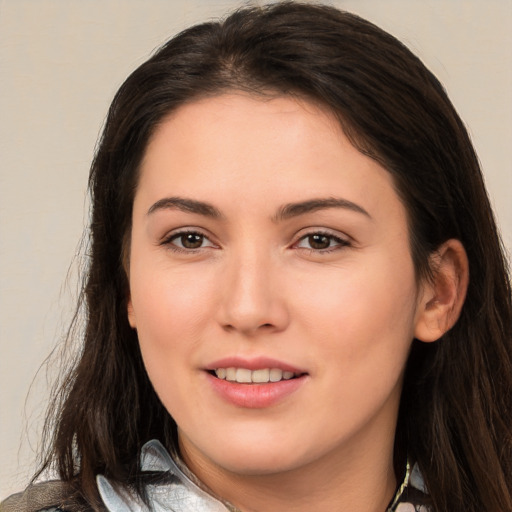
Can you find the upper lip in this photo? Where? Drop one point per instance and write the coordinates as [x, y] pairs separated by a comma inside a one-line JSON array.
[[254, 363]]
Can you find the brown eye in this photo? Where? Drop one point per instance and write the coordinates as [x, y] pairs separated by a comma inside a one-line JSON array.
[[322, 242], [190, 240], [319, 241]]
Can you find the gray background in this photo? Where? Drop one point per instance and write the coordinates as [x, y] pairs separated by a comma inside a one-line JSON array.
[[60, 63]]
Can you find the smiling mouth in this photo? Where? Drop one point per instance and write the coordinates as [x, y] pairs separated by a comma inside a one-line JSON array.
[[260, 376]]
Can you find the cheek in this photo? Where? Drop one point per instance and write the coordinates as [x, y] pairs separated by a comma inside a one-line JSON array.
[[171, 308], [361, 326], [169, 314], [363, 313], [169, 299]]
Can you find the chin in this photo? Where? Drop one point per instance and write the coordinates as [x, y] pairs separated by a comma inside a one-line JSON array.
[[259, 464], [259, 456]]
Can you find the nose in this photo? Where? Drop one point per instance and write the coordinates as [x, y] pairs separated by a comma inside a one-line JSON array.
[[254, 299]]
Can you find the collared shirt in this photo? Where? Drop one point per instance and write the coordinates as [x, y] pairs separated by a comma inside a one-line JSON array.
[[179, 491]]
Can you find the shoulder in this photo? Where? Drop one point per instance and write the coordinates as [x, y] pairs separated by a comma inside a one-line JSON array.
[[51, 496]]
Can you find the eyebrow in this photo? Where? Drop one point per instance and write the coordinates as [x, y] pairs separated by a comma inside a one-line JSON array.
[[186, 205], [291, 210], [285, 212]]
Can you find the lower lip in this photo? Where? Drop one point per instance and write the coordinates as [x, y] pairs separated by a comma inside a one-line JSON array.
[[255, 396]]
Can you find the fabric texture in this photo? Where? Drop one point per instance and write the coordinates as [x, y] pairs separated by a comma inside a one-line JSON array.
[[171, 487], [47, 496], [180, 491]]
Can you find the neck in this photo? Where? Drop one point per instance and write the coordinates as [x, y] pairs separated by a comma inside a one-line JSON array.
[[361, 489], [361, 478]]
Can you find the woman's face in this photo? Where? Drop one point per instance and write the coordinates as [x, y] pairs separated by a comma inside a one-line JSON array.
[[265, 246]]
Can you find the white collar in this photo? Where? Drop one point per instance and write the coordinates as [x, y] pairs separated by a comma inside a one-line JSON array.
[[181, 494]]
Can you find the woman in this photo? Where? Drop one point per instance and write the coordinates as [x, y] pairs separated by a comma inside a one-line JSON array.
[[296, 285]]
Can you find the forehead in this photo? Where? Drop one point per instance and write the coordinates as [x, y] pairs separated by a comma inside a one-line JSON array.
[[239, 149], [231, 120]]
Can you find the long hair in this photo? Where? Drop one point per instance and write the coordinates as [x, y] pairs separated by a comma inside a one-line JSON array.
[[455, 416]]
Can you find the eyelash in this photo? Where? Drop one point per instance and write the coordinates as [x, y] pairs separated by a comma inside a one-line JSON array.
[[338, 241], [169, 241]]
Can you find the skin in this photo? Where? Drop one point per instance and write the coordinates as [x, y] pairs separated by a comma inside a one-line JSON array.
[[345, 313]]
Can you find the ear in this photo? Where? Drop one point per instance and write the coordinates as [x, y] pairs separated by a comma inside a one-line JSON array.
[[441, 298], [131, 314]]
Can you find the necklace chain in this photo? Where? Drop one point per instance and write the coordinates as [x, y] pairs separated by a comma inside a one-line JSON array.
[[391, 508], [402, 487]]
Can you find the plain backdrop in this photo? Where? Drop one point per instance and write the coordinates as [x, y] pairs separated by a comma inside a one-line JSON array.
[[61, 62]]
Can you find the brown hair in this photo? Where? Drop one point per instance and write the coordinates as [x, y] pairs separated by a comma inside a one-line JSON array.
[[456, 413]]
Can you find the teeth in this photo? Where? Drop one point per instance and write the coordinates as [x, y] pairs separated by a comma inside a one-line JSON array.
[[275, 375], [245, 376], [260, 375]]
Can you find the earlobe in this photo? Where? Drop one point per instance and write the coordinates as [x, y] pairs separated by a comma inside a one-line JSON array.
[[442, 297], [131, 314]]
